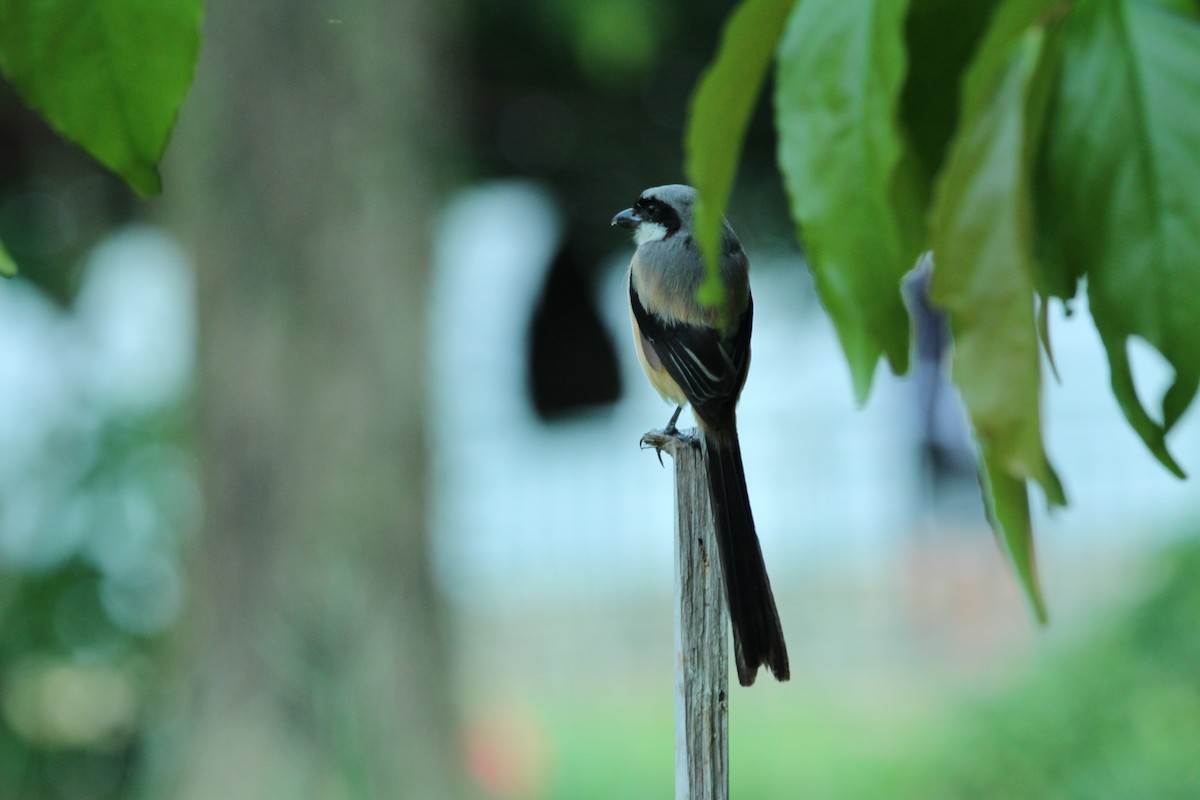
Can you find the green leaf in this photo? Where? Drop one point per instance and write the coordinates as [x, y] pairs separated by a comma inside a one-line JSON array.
[[848, 172], [1043, 329], [720, 111], [8, 267], [1007, 502], [984, 270], [109, 76], [1177, 399], [1151, 432], [1123, 167]]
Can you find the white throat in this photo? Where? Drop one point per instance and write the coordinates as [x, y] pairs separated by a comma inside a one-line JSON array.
[[649, 232]]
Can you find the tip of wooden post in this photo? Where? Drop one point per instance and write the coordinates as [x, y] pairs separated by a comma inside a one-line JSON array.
[[660, 441]]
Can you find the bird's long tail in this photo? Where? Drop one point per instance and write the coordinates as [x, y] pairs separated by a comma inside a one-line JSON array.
[[757, 634]]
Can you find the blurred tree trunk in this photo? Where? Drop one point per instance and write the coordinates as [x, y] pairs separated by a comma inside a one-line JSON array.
[[302, 178]]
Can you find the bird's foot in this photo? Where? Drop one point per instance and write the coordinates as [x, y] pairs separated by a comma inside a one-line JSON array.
[[658, 441], [667, 439]]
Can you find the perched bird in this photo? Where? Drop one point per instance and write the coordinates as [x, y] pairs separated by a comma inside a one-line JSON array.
[[699, 355]]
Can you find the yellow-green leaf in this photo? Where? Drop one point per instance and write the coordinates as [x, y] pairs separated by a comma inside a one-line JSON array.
[[984, 271], [720, 111]]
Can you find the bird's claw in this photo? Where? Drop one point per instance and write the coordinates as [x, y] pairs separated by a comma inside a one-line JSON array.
[[657, 440]]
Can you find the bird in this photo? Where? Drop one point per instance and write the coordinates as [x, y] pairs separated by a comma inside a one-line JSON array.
[[698, 355]]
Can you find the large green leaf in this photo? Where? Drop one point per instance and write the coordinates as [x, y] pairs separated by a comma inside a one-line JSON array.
[[984, 271], [109, 75], [1123, 171], [845, 163], [720, 111]]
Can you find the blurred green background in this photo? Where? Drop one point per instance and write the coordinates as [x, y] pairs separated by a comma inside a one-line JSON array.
[[319, 476]]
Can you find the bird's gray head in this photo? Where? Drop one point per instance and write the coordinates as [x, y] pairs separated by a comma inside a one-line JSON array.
[[659, 213]]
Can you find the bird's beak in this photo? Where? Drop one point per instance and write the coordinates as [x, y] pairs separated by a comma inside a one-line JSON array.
[[627, 219]]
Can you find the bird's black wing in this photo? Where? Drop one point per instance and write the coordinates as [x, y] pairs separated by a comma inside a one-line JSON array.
[[739, 343], [708, 368]]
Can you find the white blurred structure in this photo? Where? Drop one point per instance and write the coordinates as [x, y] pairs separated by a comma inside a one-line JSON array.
[[69, 380]]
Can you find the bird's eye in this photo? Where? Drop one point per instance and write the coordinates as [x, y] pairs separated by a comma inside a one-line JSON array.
[[651, 208]]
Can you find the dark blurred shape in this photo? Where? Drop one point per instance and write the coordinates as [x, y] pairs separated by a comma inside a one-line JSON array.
[[572, 360], [931, 116], [537, 131], [669, 88], [55, 201]]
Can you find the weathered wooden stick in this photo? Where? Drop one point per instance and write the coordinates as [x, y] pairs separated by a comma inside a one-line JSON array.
[[701, 648]]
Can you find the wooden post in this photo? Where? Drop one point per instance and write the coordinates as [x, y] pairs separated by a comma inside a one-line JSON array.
[[701, 642]]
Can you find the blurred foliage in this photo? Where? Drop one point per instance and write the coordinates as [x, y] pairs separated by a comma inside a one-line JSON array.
[[97, 495], [1115, 716], [89, 590], [72, 689], [1073, 153]]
